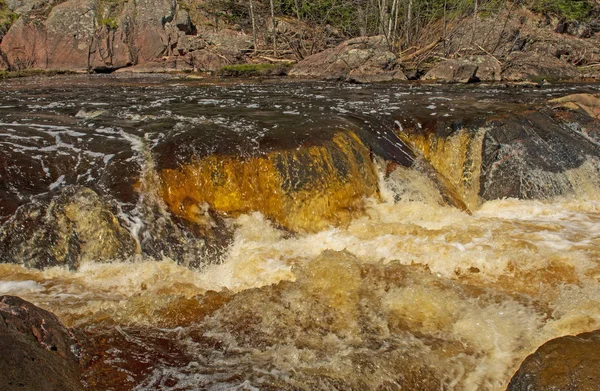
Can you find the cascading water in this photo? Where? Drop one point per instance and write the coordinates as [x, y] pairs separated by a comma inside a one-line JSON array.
[[332, 257]]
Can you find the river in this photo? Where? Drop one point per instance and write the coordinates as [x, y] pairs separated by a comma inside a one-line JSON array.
[[406, 292]]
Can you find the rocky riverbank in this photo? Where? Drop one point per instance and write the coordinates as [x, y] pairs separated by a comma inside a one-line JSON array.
[[169, 36]]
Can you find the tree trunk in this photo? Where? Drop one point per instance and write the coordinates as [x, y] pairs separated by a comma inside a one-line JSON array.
[[409, 23], [273, 29], [253, 26]]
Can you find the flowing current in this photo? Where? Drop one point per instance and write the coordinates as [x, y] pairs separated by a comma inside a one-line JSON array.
[[411, 293]]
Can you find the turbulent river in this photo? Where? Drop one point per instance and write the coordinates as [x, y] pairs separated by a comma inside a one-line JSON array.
[[401, 289]]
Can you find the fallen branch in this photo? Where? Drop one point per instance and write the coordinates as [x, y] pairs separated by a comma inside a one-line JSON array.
[[489, 54], [590, 66], [281, 60], [421, 51]]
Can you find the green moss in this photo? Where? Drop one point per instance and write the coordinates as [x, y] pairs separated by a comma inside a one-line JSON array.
[[109, 22], [246, 70], [7, 18], [31, 72]]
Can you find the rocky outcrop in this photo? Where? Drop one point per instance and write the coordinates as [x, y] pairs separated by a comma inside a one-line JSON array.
[[38, 352], [537, 66], [75, 227], [85, 35], [565, 363], [364, 59]]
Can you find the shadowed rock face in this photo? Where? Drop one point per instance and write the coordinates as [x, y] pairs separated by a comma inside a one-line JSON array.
[[533, 155], [530, 154], [38, 352], [302, 189], [73, 228], [565, 363]]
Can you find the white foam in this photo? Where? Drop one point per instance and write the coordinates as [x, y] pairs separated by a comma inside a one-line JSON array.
[[20, 287]]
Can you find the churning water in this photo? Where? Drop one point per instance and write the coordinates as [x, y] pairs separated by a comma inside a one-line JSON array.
[[410, 293]]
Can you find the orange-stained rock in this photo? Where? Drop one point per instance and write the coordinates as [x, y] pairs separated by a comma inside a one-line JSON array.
[[304, 189]]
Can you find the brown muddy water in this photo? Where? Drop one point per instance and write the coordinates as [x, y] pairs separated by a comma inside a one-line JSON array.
[[410, 293]]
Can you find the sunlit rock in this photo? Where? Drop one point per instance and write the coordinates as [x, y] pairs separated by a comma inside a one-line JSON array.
[[565, 363], [455, 71], [363, 59], [38, 352], [303, 189], [74, 228], [587, 102]]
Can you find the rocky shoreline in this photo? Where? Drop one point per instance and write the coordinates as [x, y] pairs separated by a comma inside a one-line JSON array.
[[150, 36]]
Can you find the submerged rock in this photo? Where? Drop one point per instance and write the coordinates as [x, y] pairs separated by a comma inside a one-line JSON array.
[[303, 189], [565, 363], [38, 352], [75, 227], [364, 59]]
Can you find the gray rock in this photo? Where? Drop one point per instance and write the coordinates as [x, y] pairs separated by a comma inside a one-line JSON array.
[[488, 68], [453, 71]]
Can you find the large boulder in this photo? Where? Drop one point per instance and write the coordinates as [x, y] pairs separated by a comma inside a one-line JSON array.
[[453, 71], [536, 155], [75, 227], [565, 363], [364, 59], [308, 187], [38, 352]]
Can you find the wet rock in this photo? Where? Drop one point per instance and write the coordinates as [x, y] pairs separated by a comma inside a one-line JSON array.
[[453, 71], [361, 59], [537, 66], [38, 352], [535, 155], [565, 363], [309, 187], [538, 153], [75, 227]]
